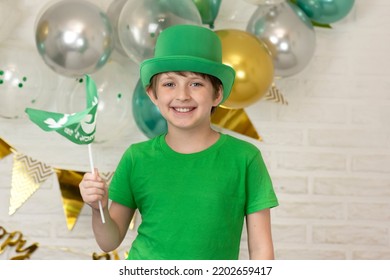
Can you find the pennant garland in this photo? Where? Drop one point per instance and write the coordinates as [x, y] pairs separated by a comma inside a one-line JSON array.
[[29, 174]]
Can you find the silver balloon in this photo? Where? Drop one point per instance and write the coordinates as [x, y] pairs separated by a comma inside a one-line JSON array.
[[140, 23], [288, 33], [74, 37]]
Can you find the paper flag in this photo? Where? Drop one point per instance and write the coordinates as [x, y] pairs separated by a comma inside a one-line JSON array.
[[77, 127]]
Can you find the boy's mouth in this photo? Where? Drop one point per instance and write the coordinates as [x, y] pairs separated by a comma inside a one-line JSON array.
[[183, 109]]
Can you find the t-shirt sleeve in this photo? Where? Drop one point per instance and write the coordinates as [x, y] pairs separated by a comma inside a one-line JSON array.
[[120, 187], [260, 191]]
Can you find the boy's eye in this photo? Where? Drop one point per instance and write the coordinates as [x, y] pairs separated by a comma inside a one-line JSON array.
[[168, 84], [196, 84]]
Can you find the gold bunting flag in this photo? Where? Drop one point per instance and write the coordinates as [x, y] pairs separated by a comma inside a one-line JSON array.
[[28, 175], [275, 95], [236, 120], [72, 201], [5, 149]]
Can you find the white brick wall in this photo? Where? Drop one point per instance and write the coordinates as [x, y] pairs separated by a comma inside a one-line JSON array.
[[328, 151]]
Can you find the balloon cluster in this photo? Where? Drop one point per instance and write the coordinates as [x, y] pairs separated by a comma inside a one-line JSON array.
[[75, 37]]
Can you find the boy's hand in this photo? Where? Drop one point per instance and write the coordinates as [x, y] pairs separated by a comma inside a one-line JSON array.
[[94, 189]]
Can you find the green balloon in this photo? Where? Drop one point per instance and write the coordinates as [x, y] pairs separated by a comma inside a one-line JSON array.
[[325, 11], [208, 10], [147, 116]]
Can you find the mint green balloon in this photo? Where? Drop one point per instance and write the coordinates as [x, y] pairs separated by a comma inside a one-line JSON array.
[[208, 10], [326, 11], [147, 116]]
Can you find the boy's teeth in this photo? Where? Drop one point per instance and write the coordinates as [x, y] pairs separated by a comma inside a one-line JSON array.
[[182, 110]]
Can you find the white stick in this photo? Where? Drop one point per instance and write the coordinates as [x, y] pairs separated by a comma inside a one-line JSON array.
[[93, 172]]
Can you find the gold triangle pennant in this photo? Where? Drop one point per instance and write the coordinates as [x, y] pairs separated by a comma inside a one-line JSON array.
[[72, 201], [275, 95], [236, 120], [5, 149], [28, 175]]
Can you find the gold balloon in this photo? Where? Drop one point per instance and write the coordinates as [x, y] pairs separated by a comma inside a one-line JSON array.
[[253, 64]]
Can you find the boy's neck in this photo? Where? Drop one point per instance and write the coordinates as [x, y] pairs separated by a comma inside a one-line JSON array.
[[187, 142]]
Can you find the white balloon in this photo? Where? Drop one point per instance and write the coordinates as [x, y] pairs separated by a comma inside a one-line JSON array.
[[25, 81]]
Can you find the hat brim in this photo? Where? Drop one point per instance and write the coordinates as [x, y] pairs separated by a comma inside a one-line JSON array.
[[153, 66]]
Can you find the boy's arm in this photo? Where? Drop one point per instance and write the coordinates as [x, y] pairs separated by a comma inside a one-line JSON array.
[[117, 220], [260, 244]]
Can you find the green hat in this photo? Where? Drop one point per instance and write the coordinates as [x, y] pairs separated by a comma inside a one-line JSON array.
[[188, 48]]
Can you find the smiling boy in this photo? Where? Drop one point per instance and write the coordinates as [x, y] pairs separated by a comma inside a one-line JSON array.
[[193, 186]]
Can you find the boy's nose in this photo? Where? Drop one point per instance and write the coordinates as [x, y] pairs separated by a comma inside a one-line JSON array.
[[183, 93]]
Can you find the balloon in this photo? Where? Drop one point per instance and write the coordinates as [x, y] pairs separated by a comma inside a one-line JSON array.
[[264, 2], [147, 115], [288, 33], [140, 23], [208, 10], [74, 37], [115, 87], [9, 17], [113, 13], [252, 62], [326, 11], [25, 81]]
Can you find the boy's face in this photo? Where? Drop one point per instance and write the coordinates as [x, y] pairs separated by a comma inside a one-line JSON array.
[[185, 99]]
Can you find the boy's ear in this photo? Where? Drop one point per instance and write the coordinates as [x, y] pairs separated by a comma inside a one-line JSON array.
[[219, 96], [151, 94]]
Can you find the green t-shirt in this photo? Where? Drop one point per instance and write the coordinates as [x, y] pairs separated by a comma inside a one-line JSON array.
[[192, 205]]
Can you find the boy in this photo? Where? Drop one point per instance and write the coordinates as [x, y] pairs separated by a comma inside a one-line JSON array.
[[192, 186]]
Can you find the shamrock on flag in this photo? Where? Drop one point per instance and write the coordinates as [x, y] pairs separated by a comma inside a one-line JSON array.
[[78, 127]]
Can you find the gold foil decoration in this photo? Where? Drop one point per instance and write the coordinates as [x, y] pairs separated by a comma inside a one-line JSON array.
[[236, 120], [15, 239], [27, 176], [72, 201], [275, 95], [5, 149], [113, 255]]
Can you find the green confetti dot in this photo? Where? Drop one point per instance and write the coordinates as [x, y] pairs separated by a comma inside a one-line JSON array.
[[33, 101], [1, 72], [20, 85], [119, 95], [81, 80], [152, 35], [24, 79], [1, 82]]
